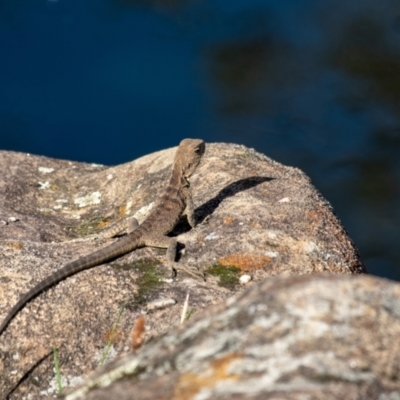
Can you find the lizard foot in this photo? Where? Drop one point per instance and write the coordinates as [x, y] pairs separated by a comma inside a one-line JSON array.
[[192, 271]]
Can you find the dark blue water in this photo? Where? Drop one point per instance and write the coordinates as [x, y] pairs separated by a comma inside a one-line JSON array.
[[313, 84]]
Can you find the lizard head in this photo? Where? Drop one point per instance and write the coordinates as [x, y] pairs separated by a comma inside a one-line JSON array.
[[188, 155]]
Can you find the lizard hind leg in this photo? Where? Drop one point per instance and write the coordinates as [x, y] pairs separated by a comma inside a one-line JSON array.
[[171, 245], [170, 255]]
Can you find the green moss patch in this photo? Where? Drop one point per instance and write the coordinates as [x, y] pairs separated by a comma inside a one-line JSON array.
[[150, 277], [94, 225], [228, 275]]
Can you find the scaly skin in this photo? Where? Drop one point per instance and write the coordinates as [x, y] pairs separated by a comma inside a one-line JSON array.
[[162, 220]]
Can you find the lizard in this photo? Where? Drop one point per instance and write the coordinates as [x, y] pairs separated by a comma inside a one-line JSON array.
[[153, 231]]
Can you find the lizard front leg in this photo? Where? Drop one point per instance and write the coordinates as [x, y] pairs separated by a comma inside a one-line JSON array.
[[191, 217], [128, 225]]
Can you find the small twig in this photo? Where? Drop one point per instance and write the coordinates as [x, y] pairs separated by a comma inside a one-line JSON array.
[[184, 309], [57, 368]]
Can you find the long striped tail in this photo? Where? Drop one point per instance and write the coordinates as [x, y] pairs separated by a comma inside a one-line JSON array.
[[108, 253]]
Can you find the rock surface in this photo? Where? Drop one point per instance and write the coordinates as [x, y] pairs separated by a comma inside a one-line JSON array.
[[256, 217], [305, 337]]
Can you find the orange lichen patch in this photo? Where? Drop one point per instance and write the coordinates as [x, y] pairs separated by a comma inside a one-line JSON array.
[[15, 245], [313, 219], [102, 224], [190, 384], [113, 336], [227, 220], [246, 261], [138, 333], [312, 214], [121, 212]]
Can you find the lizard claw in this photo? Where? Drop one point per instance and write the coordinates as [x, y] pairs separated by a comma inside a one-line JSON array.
[[192, 271]]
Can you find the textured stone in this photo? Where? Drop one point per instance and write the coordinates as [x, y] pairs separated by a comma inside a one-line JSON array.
[[305, 337], [255, 215]]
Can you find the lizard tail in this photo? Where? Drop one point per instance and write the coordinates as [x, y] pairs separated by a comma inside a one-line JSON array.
[[101, 256]]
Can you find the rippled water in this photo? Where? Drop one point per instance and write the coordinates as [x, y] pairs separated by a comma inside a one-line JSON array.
[[311, 84]]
